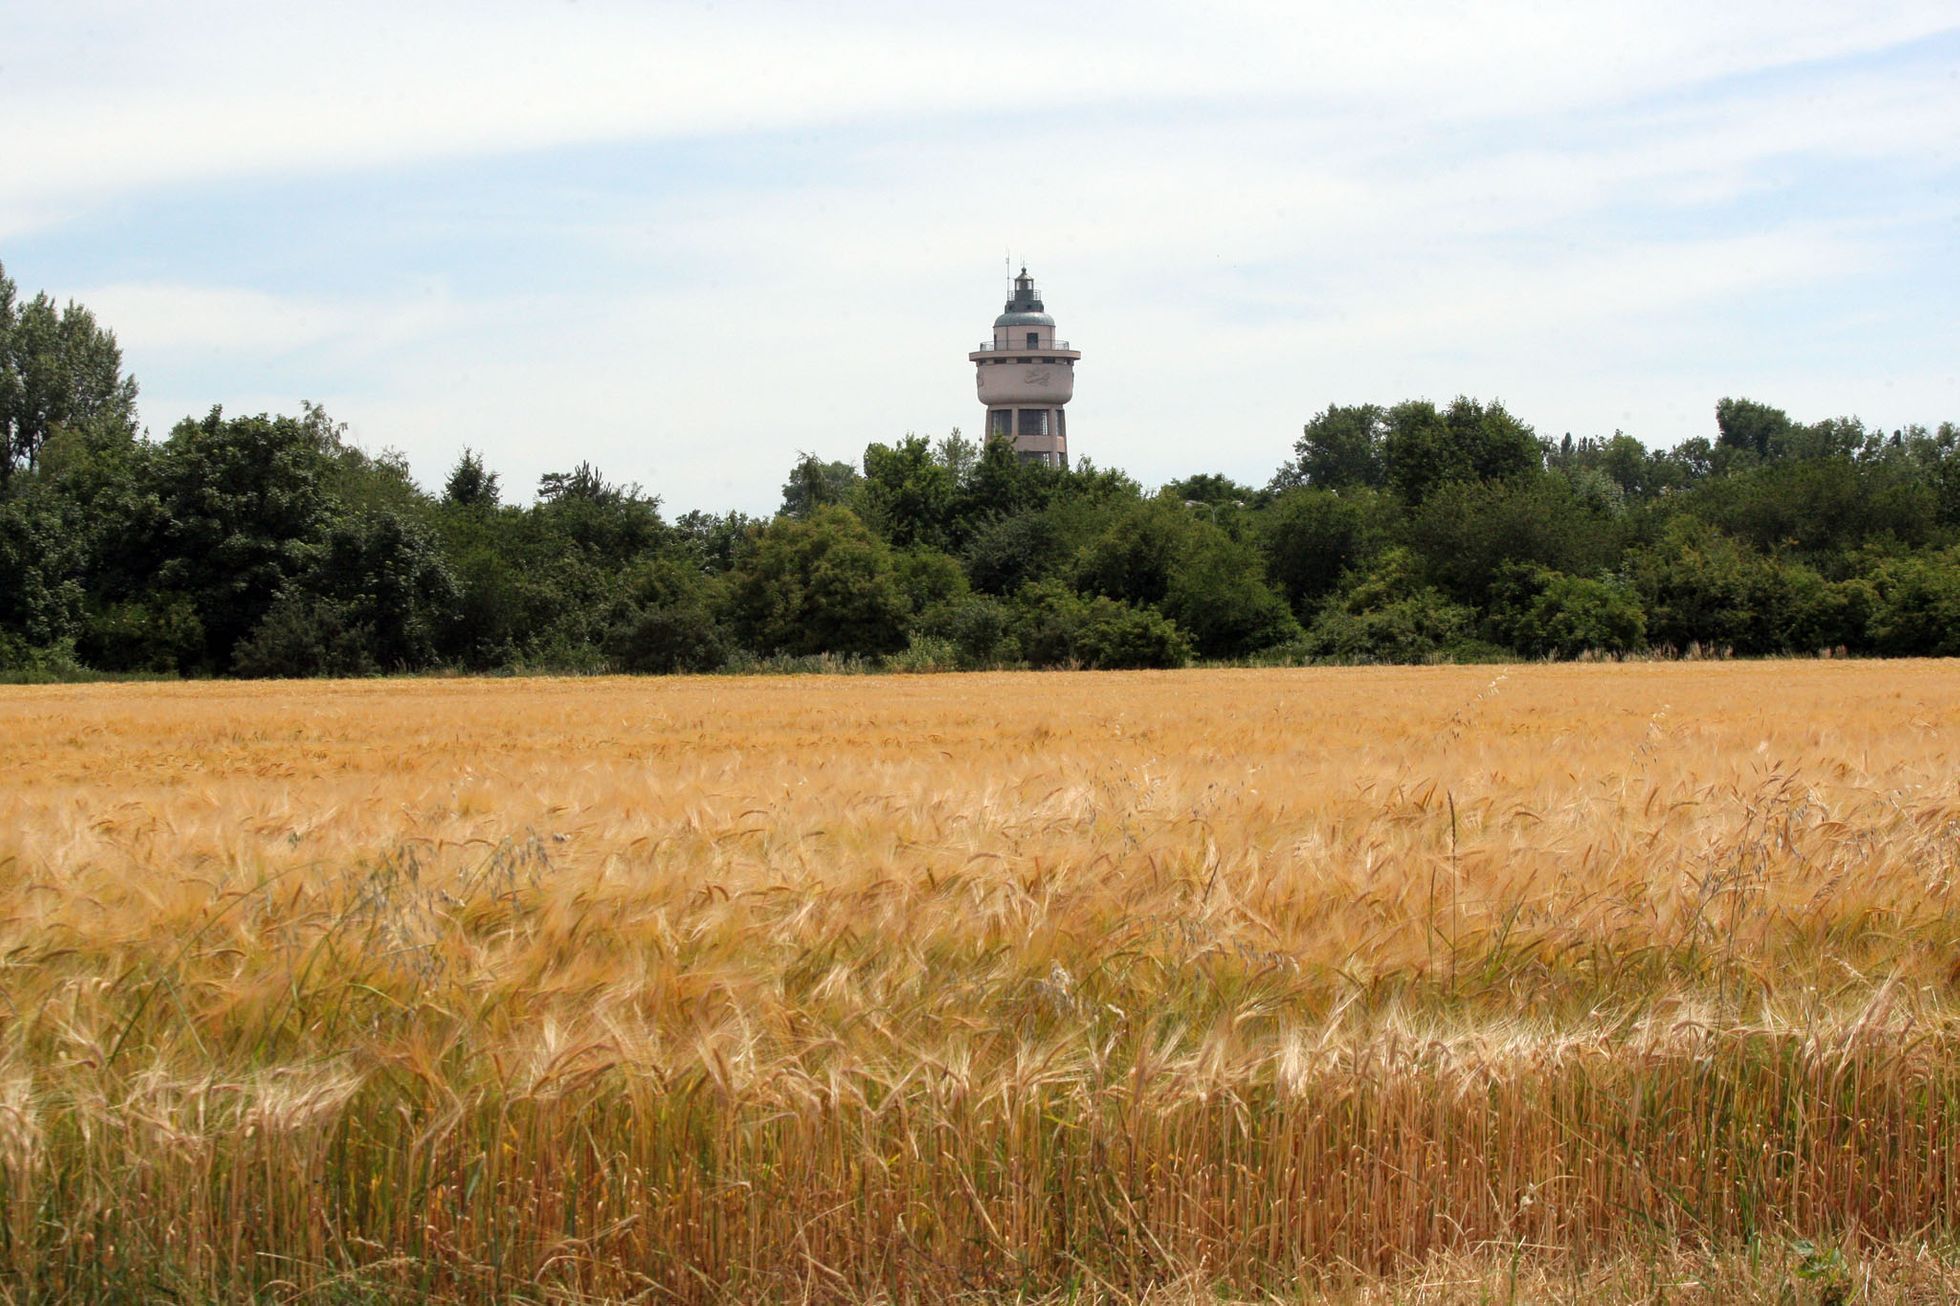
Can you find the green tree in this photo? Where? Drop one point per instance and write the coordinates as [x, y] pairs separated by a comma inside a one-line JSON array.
[[1133, 558], [1917, 608], [907, 495], [713, 540], [41, 567], [1698, 585], [814, 483], [1218, 596], [1055, 626], [613, 524], [243, 509], [1543, 613], [58, 369], [1423, 448], [1212, 489], [980, 627], [1467, 531], [1312, 538], [1749, 426], [820, 585], [1389, 615], [1341, 448], [378, 595], [665, 622], [471, 484]]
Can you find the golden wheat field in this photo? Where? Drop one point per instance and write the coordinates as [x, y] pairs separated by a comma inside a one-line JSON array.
[[1622, 981]]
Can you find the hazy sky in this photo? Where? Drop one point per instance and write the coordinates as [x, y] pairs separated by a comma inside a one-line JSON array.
[[685, 241]]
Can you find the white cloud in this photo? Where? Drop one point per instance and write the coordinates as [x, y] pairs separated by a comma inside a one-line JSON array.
[[161, 319], [195, 90]]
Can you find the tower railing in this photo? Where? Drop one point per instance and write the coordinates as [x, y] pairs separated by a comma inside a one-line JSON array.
[[994, 346]]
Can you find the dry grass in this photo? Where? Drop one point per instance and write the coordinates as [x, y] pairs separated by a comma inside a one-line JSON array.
[[1399, 984]]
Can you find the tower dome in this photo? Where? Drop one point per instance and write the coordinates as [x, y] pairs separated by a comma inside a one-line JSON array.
[[1025, 377]]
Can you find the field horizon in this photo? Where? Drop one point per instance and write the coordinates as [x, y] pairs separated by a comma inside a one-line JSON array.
[[1440, 983]]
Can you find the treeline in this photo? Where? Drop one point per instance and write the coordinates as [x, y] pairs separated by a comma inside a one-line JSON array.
[[270, 546]]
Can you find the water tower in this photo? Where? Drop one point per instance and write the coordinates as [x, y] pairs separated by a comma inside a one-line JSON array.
[[1026, 376]]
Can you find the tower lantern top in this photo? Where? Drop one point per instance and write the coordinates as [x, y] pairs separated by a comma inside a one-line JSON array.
[[1025, 309]]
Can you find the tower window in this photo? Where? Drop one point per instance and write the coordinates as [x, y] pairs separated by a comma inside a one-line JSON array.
[[1002, 420], [1034, 421], [1034, 340]]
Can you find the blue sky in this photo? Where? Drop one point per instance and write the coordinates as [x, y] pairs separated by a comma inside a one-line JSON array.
[[688, 241]]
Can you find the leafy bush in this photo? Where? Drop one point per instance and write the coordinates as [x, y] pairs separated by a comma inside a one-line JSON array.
[[1917, 606], [979, 628], [306, 635], [925, 653], [1547, 613], [1389, 616], [1057, 627], [820, 585], [664, 623], [160, 633], [1218, 594], [1111, 635]]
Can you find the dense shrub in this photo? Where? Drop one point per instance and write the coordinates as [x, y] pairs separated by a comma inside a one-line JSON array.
[[1546, 613], [664, 622], [1389, 616]]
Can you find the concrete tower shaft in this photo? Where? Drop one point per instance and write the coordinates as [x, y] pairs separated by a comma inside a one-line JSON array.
[[1025, 377]]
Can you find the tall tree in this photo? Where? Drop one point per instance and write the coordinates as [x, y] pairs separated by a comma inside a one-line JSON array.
[[470, 484], [1424, 448], [244, 509], [57, 369], [1746, 424], [1339, 448]]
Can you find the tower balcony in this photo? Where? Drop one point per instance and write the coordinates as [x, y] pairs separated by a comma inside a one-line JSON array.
[[1052, 347]]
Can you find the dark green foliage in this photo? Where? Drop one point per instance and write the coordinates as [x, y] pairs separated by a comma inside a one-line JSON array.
[[907, 495], [1218, 596], [377, 597], [1468, 531], [307, 634], [243, 510], [160, 632], [665, 621], [470, 484], [612, 524], [1341, 448], [1819, 506], [1751, 427], [1005, 553], [1212, 489], [41, 563], [1424, 449], [1389, 615], [1056, 627], [713, 540], [928, 579], [1700, 586], [820, 585], [813, 483], [58, 370], [1543, 613], [1132, 559], [1312, 538], [980, 628], [1916, 605]]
